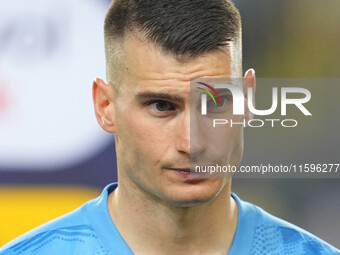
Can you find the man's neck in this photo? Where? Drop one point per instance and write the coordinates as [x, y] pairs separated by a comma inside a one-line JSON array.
[[150, 227]]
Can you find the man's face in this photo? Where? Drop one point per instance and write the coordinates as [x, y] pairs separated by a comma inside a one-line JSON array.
[[152, 119]]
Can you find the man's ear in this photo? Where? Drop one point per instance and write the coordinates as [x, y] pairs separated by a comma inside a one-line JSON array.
[[249, 81], [104, 98]]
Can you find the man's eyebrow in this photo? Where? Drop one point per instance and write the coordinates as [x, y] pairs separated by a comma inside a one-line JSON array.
[[153, 95], [221, 91]]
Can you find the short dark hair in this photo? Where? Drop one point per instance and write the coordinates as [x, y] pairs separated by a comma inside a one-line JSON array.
[[184, 28]]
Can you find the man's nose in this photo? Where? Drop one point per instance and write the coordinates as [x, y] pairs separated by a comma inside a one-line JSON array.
[[189, 137]]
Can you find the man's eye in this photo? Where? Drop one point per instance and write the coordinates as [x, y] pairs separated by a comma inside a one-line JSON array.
[[225, 100], [161, 106]]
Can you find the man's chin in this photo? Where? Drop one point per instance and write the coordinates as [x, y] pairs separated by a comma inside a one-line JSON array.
[[194, 194], [189, 202]]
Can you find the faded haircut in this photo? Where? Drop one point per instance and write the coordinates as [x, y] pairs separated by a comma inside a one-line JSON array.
[[184, 28]]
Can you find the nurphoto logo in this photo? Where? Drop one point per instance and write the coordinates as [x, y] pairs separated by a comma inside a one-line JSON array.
[[239, 100]]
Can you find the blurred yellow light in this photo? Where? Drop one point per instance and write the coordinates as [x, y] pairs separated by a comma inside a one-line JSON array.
[[23, 208]]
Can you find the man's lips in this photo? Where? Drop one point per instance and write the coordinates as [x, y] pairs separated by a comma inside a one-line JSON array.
[[186, 169]]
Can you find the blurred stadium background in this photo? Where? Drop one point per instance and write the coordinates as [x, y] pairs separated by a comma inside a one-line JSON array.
[[54, 156]]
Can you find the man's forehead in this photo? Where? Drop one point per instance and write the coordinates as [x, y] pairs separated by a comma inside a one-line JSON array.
[[144, 59]]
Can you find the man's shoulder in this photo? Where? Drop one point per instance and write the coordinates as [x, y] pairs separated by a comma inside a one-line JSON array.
[[71, 233], [273, 235]]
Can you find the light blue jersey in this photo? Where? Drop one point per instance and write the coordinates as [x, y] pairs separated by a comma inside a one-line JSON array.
[[90, 230]]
